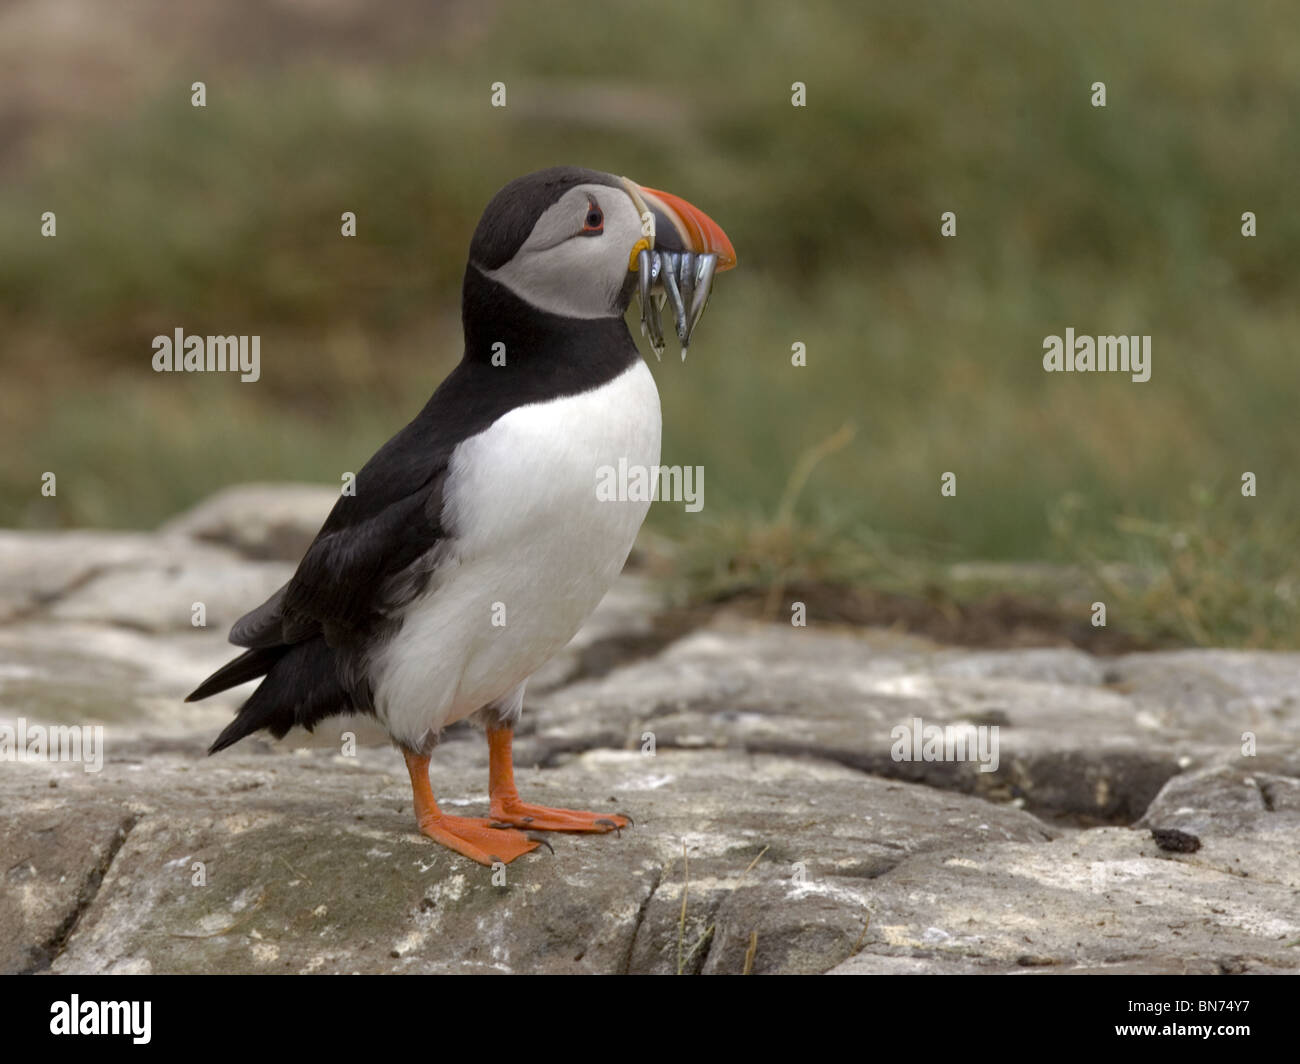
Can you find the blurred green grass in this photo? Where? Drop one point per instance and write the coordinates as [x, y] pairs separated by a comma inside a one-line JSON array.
[[1117, 220]]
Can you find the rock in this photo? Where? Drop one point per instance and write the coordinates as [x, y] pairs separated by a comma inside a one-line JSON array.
[[1221, 692], [1105, 899], [1245, 818], [1143, 815], [813, 836], [100, 625], [163, 593], [311, 862], [1074, 739], [54, 862], [37, 567], [268, 522]]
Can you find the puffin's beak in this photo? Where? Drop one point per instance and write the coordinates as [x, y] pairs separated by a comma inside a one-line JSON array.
[[675, 262], [683, 227]]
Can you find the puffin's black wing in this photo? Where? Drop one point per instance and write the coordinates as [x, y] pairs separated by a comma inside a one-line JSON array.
[[368, 539], [306, 637]]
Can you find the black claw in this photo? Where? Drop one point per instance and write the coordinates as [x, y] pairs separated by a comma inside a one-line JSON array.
[[538, 838], [630, 822], [500, 826]]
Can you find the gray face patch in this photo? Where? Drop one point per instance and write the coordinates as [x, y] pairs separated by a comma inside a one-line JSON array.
[[561, 269]]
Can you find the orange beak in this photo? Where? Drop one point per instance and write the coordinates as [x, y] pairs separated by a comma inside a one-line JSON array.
[[695, 230]]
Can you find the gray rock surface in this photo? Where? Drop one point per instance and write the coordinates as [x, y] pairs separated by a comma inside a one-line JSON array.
[[1144, 814], [269, 522], [1078, 736]]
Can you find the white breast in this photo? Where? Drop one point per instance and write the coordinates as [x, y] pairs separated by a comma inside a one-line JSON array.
[[533, 550]]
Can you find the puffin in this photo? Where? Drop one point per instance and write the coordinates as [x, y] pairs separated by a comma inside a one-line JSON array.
[[474, 542]]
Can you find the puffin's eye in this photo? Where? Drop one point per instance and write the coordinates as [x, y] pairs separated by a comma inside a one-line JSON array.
[[595, 221]]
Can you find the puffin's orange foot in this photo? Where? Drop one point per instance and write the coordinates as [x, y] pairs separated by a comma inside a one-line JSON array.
[[475, 838], [543, 818]]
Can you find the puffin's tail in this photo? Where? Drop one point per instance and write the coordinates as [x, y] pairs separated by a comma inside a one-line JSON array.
[[248, 666], [301, 687]]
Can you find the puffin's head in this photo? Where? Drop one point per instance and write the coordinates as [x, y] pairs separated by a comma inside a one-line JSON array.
[[578, 243]]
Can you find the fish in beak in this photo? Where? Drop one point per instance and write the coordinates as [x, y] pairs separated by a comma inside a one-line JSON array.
[[681, 250]]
